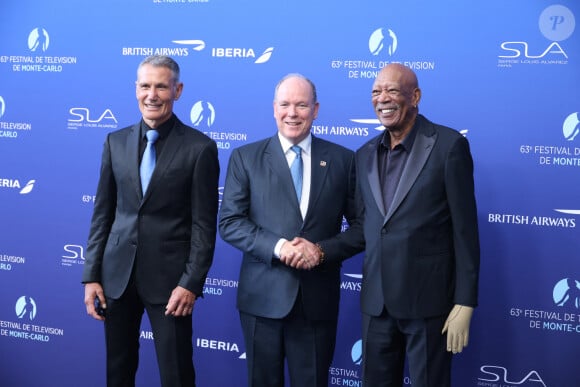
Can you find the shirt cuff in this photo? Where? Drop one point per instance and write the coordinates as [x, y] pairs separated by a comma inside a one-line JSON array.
[[278, 247]]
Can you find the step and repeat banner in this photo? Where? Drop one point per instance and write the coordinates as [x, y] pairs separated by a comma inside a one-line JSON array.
[[505, 74]]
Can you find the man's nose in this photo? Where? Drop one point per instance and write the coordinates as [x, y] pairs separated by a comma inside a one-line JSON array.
[[152, 93]]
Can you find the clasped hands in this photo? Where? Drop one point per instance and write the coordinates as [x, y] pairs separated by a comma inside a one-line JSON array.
[[300, 253]]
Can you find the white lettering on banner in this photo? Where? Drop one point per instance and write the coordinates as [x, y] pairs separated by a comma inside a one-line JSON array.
[[548, 320], [553, 222], [232, 52], [562, 327], [15, 125], [145, 51], [230, 136], [542, 221], [21, 59], [344, 377], [217, 345], [553, 155], [552, 150], [29, 331], [175, 51], [12, 259], [49, 330], [60, 59], [349, 285], [10, 324], [39, 68], [340, 130], [212, 291], [221, 282], [343, 372], [9, 183], [147, 335], [567, 161]]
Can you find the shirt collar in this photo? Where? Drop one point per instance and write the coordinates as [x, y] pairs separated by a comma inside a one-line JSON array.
[[407, 142], [304, 144], [163, 129]]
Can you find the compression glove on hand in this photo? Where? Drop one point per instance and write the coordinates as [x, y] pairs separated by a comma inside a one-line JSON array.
[[457, 328]]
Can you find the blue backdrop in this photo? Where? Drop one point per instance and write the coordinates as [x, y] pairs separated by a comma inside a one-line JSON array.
[[506, 74]]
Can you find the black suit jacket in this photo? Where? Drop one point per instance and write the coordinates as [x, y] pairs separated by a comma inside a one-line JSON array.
[[167, 236], [259, 207], [422, 253]]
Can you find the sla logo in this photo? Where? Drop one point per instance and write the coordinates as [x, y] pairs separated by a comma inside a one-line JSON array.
[[82, 114], [2, 106], [38, 38], [377, 41], [517, 48], [74, 252], [26, 308], [500, 374], [356, 353], [556, 23], [567, 293], [571, 126], [202, 114]]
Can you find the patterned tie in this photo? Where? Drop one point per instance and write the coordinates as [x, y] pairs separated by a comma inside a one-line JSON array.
[[148, 161], [296, 171]]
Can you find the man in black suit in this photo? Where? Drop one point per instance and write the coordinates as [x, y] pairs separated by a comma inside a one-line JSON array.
[[420, 275], [289, 286], [150, 248]]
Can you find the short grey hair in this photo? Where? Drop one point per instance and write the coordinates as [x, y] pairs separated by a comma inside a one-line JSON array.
[[297, 75], [162, 61]]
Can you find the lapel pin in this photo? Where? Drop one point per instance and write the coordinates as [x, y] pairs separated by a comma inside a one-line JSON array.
[[323, 163]]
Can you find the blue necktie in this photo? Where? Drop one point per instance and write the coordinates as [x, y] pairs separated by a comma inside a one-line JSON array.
[[296, 171], [148, 161]]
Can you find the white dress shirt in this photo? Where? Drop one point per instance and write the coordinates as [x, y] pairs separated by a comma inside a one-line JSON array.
[[306, 146]]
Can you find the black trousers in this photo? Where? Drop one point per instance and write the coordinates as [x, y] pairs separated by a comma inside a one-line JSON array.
[[172, 337], [386, 343]]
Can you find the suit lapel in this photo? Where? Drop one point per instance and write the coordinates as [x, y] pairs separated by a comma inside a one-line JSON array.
[[417, 158], [319, 167], [372, 168], [132, 147], [275, 158]]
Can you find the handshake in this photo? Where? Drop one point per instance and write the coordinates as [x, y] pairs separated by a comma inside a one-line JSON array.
[[301, 254]]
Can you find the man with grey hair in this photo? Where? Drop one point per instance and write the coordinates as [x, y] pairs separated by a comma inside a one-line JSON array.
[[153, 230], [283, 205]]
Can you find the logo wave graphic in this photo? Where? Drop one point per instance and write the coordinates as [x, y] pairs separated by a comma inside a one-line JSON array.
[[197, 44], [28, 187]]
